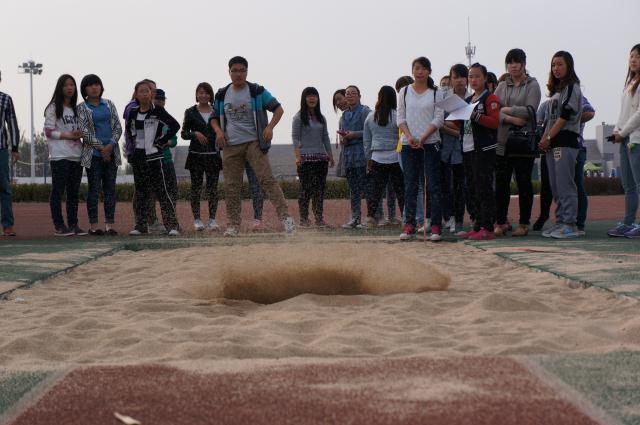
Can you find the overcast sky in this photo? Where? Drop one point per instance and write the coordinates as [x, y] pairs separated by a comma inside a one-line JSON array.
[[293, 44]]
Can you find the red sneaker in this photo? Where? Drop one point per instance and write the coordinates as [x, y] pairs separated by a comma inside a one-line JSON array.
[[467, 235], [483, 235]]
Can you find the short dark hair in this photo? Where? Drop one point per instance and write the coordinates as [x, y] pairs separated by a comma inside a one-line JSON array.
[[238, 60], [148, 80], [90, 80], [337, 92], [206, 87], [517, 56], [350, 86], [460, 70], [403, 82]]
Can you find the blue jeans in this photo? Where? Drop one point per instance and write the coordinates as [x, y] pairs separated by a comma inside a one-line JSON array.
[[432, 171], [418, 163], [583, 199], [65, 177], [356, 178], [630, 174], [6, 211], [413, 169], [101, 175]]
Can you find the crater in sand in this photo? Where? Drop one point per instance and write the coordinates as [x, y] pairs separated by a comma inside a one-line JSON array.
[[268, 274]]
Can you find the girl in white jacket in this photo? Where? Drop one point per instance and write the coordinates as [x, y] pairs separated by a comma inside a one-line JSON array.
[[627, 133]]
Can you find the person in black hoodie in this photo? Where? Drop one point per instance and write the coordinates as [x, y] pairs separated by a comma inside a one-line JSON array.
[[203, 158], [150, 128]]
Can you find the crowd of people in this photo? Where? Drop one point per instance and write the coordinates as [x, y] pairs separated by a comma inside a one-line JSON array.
[[405, 149]]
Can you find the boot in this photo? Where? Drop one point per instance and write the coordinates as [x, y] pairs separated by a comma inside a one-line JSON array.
[[501, 229], [522, 230]]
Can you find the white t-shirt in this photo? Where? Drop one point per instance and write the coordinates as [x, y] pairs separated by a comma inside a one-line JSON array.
[[418, 111], [140, 130], [54, 126]]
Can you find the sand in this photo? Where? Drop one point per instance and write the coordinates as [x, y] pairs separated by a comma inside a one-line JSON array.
[[164, 306]]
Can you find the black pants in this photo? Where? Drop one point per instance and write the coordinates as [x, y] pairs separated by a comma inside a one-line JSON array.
[[469, 184], [452, 191], [65, 177], [313, 181], [172, 181], [199, 168], [380, 175], [484, 167], [505, 168], [149, 177]]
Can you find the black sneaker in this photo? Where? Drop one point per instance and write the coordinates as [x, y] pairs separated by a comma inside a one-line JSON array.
[[111, 232], [62, 231], [97, 232], [78, 231]]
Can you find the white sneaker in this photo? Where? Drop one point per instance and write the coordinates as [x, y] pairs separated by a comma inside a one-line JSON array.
[[231, 232], [135, 232], [198, 225], [352, 224], [565, 232], [289, 225], [173, 232], [435, 237], [451, 223], [420, 229], [547, 233], [213, 226]]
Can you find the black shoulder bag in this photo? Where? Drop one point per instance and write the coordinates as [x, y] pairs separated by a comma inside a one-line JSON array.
[[523, 141]]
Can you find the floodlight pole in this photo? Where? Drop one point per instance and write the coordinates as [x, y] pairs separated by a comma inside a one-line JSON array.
[[31, 68]]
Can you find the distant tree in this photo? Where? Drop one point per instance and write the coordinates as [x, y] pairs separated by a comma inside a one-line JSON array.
[[23, 167]]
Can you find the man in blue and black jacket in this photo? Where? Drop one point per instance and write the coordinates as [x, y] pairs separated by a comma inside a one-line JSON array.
[[244, 133]]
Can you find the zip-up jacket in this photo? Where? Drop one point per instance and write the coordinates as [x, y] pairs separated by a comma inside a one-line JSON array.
[[159, 128], [88, 129], [194, 122], [9, 133], [261, 100], [485, 125]]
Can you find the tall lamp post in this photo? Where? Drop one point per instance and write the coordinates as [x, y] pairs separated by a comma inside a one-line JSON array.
[[32, 69]]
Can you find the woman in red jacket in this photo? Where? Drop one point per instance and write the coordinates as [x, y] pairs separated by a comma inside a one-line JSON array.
[[484, 123]]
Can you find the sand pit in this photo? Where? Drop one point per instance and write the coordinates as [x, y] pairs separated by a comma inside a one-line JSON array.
[[268, 274], [164, 306]]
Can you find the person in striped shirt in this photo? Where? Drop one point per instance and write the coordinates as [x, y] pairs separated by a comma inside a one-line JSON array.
[[9, 137]]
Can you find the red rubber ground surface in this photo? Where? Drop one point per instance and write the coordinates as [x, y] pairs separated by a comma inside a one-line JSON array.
[[460, 390]]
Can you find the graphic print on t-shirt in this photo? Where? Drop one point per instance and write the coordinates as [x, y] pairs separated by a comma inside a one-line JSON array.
[[240, 123]]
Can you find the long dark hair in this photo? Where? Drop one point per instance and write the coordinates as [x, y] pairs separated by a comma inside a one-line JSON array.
[[304, 108], [58, 95], [555, 85], [386, 104], [633, 76], [426, 63], [343, 92]]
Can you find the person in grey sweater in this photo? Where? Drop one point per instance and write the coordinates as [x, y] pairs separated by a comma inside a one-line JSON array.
[[380, 139], [312, 149], [516, 92]]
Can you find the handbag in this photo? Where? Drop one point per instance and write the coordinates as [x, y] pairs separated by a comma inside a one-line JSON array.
[[523, 141]]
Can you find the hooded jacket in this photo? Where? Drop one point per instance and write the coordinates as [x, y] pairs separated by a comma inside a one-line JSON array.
[[261, 100], [517, 98]]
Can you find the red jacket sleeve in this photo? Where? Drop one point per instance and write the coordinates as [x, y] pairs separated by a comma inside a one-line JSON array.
[[491, 118]]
